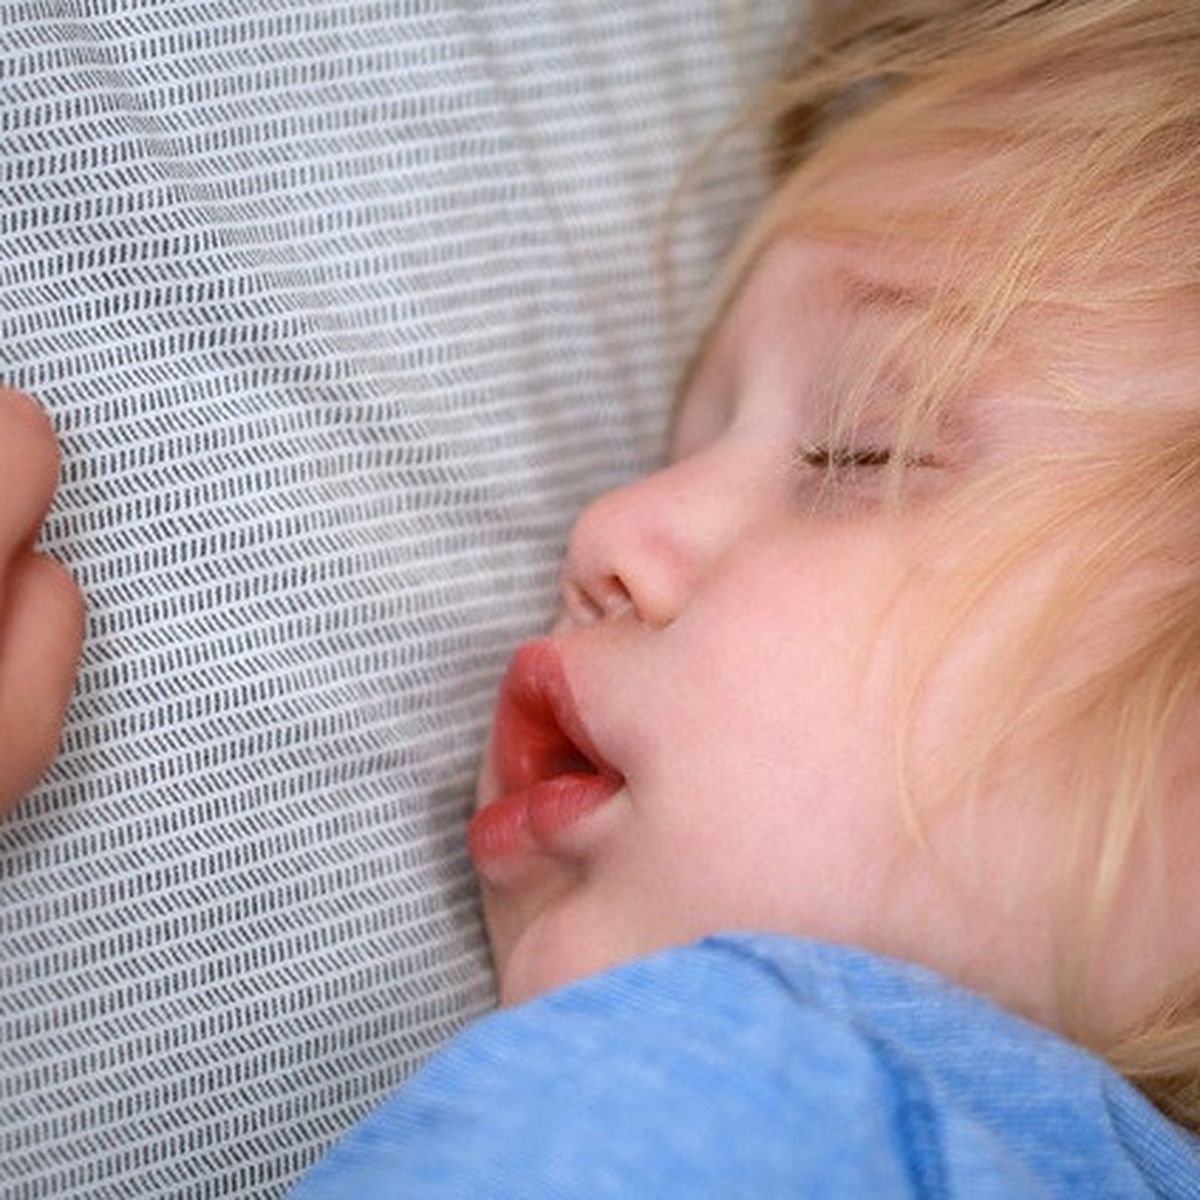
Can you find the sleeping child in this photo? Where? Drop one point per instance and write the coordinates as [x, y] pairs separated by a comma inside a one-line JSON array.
[[842, 838]]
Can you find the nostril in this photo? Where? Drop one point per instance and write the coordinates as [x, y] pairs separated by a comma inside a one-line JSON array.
[[606, 598], [614, 598], [581, 607]]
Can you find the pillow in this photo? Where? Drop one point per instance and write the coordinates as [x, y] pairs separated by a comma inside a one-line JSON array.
[[342, 311]]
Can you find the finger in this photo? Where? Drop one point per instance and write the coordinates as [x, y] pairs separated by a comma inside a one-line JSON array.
[[28, 470], [41, 634]]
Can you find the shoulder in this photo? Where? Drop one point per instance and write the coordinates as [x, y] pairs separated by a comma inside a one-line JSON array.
[[697, 1072], [745, 1065]]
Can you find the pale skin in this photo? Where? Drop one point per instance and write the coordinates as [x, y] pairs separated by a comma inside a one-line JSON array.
[[715, 628], [41, 608]]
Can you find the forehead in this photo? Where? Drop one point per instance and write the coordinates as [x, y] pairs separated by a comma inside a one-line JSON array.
[[873, 231]]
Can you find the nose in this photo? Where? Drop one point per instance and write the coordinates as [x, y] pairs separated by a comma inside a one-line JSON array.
[[647, 546]]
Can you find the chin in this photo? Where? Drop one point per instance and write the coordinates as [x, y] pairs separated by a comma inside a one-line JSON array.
[[530, 971], [552, 947], [538, 962], [519, 987]]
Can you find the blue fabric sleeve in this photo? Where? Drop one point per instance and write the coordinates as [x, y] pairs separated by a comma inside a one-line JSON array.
[[760, 1066], [690, 1074]]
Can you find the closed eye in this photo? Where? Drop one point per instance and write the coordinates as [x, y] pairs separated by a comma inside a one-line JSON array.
[[824, 458], [837, 458]]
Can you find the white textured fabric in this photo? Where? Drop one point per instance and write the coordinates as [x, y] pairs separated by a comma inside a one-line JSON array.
[[342, 310]]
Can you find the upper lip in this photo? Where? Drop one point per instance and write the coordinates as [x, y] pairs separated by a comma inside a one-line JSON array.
[[538, 732]]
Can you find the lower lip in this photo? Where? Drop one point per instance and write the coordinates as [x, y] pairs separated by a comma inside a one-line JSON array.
[[538, 818]]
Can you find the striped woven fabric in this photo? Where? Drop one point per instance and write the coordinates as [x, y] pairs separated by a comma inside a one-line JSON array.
[[342, 310]]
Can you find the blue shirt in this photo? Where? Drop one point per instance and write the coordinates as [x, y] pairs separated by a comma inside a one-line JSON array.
[[761, 1066]]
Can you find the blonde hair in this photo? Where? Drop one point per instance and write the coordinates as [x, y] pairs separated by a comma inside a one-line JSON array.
[[1077, 124]]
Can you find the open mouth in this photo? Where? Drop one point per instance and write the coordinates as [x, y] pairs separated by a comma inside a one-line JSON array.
[[549, 772], [538, 732]]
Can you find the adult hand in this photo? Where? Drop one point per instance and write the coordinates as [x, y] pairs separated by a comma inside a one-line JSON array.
[[41, 608]]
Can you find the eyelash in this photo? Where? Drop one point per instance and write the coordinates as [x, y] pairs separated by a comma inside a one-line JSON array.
[[870, 458], [825, 458]]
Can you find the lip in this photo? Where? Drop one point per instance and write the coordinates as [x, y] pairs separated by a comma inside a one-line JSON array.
[[547, 769]]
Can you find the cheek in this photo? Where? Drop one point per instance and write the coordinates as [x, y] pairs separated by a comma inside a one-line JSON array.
[[765, 767], [785, 673]]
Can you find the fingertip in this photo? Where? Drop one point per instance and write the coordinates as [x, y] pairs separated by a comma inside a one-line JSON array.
[[30, 463], [64, 608], [19, 407], [42, 624]]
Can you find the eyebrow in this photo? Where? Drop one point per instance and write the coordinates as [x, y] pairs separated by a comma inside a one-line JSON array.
[[858, 292], [865, 294]]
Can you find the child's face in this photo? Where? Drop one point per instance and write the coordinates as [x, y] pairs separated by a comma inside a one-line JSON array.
[[742, 682]]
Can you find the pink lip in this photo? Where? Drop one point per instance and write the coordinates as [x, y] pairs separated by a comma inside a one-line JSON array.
[[549, 773]]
